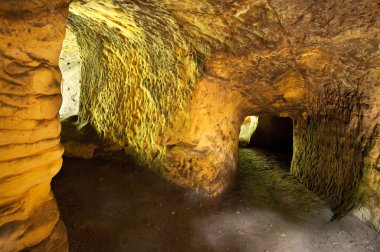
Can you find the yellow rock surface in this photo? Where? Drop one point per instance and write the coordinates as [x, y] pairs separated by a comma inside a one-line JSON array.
[[31, 35], [173, 80]]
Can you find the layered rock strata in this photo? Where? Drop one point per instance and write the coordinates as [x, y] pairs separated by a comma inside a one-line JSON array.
[[31, 35]]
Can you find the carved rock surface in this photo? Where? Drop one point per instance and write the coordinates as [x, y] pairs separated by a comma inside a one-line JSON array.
[[173, 80], [31, 34]]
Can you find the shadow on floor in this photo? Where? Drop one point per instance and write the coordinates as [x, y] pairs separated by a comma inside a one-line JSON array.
[[111, 206]]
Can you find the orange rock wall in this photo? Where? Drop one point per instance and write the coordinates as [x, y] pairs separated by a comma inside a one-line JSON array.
[[316, 62], [31, 34], [177, 90]]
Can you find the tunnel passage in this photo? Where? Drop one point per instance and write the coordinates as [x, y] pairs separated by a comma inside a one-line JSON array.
[[219, 74], [190, 135], [267, 141], [137, 72], [274, 133], [194, 71]]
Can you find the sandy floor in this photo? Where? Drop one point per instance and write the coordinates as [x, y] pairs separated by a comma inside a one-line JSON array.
[[110, 206]]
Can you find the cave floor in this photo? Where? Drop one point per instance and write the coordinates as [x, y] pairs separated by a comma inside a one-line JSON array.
[[112, 206]]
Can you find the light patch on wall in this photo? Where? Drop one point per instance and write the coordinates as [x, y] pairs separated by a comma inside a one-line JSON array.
[[247, 129], [70, 64]]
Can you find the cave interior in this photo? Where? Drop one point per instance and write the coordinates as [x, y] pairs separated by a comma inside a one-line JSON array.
[[194, 125]]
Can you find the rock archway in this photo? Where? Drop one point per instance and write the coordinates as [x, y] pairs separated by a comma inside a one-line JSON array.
[[173, 80]]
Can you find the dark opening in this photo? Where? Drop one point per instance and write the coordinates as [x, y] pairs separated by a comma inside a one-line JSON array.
[[268, 141], [273, 133]]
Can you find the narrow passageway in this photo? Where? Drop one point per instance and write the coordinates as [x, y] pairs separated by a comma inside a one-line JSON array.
[[112, 206]]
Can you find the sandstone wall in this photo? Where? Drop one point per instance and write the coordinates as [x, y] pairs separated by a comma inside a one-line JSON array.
[[316, 62], [137, 71], [174, 80], [368, 195], [31, 34]]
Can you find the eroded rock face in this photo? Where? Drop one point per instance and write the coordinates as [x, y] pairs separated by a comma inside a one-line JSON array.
[[31, 34], [174, 80], [247, 129], [182, 76], [137, 71]]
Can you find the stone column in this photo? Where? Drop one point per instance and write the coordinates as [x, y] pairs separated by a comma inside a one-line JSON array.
[[203, 151], [31, 35]]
